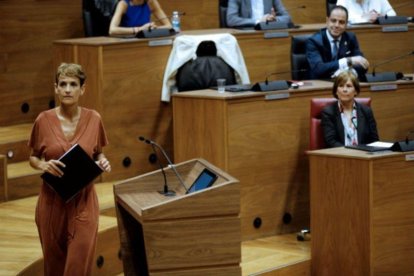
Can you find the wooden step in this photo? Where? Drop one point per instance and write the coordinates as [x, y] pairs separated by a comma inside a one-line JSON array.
[[13, 142], [3, 177], [19, 242], [105, 192], [22, 181], [280, 255]]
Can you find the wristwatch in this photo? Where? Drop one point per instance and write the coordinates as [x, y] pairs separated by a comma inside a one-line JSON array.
[[349, 61]]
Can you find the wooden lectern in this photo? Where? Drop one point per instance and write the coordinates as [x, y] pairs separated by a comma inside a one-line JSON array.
[[362, 217], [186, 234]]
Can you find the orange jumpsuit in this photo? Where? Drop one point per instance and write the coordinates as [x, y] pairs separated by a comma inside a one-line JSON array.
[[67, 231]]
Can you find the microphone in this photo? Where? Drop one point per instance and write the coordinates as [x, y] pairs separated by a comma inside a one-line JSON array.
[[407, 145], [274, 85], [170, 164], [158, 32], [165, 191], [274, 25], [386, 20], [408, 135], [386, 76]]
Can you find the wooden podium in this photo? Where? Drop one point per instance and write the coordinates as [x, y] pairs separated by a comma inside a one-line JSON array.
[[186, 234], [362, 217]]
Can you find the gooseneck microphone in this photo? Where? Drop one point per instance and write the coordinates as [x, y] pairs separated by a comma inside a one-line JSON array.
[[386, 76], [166, 191], [409, 133], [403, 146], [157, 32], [170, 164], [274, 25], [387, 20], [410, 3], [274, 85], [285, 72]]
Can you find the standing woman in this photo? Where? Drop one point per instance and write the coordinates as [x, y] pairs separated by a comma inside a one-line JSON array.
[[347, 122], [132, 16], [67, 231]]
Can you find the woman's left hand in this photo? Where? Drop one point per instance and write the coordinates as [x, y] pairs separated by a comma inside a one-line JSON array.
[[104, 164]]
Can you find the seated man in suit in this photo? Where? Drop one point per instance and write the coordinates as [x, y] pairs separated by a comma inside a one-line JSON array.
[[247, 13], [333, 49]]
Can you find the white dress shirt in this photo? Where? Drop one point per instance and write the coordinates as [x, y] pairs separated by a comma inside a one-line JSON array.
[[257, 9]]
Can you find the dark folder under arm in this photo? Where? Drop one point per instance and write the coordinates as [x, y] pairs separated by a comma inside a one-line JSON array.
[[80, 170]]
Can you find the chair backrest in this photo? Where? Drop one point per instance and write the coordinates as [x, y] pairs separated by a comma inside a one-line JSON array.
[[329, 5], [222, 12], [316, 136], [298, 59], [97, 15], [204, 71]]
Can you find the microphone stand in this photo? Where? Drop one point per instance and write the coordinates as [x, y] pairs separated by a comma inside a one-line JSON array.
[[276, 25], [274, 85], [166, 191], [158, 32], [170, 164], [407, 145], [385, 76], [387, 20]]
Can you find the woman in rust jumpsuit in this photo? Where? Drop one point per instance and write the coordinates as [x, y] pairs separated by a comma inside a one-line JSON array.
[[68, 231]]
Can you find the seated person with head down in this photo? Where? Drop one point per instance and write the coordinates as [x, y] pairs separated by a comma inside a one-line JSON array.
[[361, 11], [347, 122], [333, 50], [247, 13], [132, 16]]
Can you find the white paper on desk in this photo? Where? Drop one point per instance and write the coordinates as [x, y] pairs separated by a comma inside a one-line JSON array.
[[380, 144], [359, 21]]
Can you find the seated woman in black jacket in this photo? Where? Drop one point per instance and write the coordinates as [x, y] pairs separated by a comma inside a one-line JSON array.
[[347, 122]]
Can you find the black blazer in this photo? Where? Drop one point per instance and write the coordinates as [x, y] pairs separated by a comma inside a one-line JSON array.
[[333, 129], [319, 56]]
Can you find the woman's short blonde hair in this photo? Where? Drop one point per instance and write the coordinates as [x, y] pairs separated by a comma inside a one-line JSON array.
[[342, 78], [72, 70]]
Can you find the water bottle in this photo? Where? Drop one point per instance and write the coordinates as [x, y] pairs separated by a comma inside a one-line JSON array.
[[176, 21]]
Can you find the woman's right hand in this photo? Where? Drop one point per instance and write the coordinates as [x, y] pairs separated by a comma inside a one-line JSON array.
[[53, 167], [147, 26]]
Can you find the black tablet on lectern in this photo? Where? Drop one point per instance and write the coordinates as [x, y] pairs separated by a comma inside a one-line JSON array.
[[204, 180]]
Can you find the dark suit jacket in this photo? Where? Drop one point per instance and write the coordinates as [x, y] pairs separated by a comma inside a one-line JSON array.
[[318, 54], [333, 129], [239, 12]]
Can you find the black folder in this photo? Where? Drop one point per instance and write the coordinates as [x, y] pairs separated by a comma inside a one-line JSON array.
[[367, 148], [80, 170]]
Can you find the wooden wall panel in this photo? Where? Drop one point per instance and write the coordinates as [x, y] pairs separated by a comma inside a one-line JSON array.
[[29, 28]]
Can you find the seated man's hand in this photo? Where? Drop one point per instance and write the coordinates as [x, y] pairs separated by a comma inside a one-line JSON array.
[[268, 17], [372, 16], [360, 60]]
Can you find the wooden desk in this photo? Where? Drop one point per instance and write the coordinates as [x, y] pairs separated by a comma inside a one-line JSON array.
[[362, 217], [125, 79], [263, 143], [264, 56]]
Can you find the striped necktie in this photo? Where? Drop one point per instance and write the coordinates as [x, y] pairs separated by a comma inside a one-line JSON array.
[[335, 49]]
